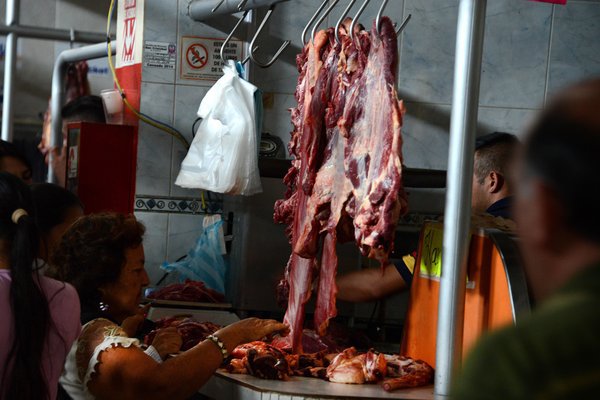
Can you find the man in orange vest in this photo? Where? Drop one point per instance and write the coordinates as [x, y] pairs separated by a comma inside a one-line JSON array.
[[492, 194]]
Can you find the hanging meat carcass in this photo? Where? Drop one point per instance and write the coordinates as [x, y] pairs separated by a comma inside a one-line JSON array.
[[346, 175]]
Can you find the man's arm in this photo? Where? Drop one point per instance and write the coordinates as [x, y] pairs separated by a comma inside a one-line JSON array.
[[369, 284]]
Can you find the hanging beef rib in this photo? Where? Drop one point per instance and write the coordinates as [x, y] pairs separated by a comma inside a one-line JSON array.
[[347, 171]]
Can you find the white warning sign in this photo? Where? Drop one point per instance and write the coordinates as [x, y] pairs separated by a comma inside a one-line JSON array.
[[200, 58], [159, 55]]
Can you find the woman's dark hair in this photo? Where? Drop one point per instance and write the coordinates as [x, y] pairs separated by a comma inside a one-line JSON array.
[[31, 316], [84, 108], [51, 203], [8, 149], [91, 253], [563, 149]]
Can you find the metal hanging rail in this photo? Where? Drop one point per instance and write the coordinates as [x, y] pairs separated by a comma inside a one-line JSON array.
[[66, 57], [201, 10], [10, 64], [463, 124], [13, 32], [65, 35]]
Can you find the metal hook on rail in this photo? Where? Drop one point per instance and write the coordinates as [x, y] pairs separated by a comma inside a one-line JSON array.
[[215, 8], [378, 17], [242, 4], [231, 35], [252, 47], [321, 19], [312, 19], [245, 61], [339, 22], [358, 14], [403, 25]]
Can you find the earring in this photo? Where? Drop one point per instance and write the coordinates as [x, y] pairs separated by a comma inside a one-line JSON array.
[[103, 306]]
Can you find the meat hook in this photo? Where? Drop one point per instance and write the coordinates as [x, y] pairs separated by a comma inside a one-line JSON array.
[[312, 19], [231, 35], [252, 47], [215, 8], [378, 19], [339, 22], [358, 14], [248, 57], [403, 25], [242, 4], [321, 19]]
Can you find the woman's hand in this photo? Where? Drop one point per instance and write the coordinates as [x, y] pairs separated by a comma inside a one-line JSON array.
[[249, 330], [131, 324], [167, 341]]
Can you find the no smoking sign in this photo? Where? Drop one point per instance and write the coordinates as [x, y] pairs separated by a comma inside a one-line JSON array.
[[196, 56], [201, 59]]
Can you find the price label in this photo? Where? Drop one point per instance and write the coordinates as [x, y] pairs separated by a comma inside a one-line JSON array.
[[431, 252]]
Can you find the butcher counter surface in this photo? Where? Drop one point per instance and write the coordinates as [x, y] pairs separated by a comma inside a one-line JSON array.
[[224, 386]]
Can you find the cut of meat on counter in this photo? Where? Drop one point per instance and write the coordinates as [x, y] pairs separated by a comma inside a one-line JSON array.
[[266, 361], [404, 372], [352, 367], [261, 360], [345, 182], [190, 291], [192, 331]]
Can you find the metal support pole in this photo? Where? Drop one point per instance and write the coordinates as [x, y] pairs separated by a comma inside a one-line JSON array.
[[465, 102], [90, 52], [43, 33], [200, 10], [10, 64]]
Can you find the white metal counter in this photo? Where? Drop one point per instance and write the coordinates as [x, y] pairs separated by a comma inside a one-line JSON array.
[[225, 386]]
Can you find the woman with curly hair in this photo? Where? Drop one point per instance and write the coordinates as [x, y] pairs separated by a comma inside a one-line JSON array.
[[39, 315], [103, 257]]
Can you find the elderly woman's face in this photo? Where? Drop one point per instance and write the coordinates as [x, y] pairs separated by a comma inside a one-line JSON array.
[[123, 296]]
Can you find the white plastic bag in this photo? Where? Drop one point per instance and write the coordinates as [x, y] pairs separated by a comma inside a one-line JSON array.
[[223, 156]]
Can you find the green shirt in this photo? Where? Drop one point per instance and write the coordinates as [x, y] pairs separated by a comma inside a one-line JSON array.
[[553, 354]]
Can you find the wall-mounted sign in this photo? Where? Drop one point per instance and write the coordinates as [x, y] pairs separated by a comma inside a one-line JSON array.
[[130, 31], [160, 54], [200, 58]]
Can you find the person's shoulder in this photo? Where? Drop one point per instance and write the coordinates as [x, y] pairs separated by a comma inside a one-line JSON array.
[[56, 289], [494, 362]]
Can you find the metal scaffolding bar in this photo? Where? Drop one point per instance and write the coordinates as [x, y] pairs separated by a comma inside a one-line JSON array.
[[98, 50], [43, 33], [465, 102], [201, 10], [10, 64]]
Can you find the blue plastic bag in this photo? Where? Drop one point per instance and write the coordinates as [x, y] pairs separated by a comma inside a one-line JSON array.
[[205, 261]]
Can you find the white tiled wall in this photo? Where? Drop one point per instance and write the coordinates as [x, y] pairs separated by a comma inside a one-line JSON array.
[[531, 49]]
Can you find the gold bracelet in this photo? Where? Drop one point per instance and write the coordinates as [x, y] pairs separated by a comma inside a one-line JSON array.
[[219, 344]]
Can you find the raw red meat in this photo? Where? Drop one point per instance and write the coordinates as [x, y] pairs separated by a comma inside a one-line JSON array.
[[347, 169], [312, 343], [299, 271], [349, 366], [192, 332], [371, 123], [405, 372], [261, 360], [352, 367], [192, 291]]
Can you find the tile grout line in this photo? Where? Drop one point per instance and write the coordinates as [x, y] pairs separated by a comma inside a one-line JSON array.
[[549, 54]]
